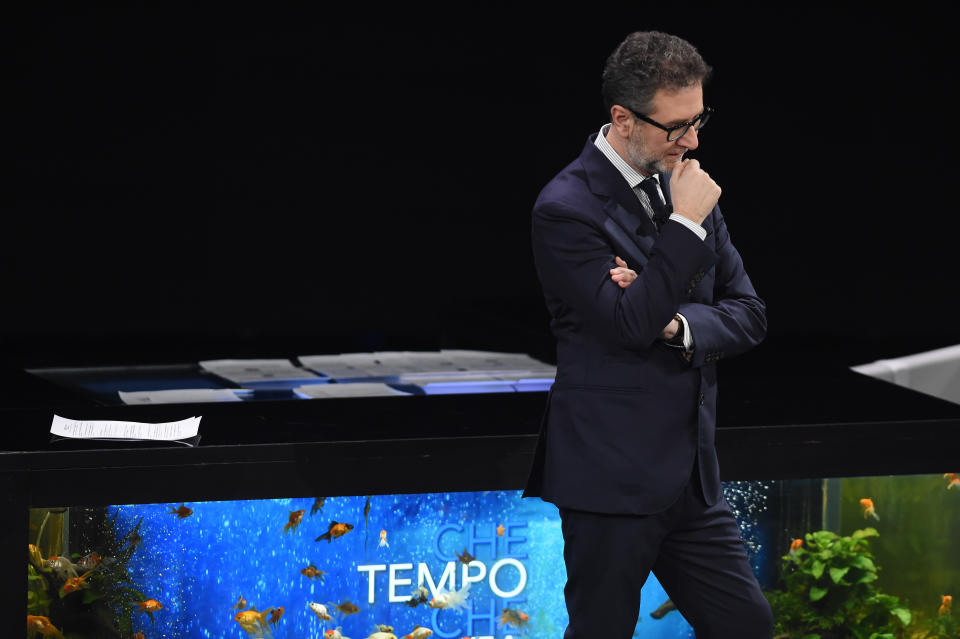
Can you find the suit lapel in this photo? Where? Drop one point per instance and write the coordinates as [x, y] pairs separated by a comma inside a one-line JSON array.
[[628, 222]]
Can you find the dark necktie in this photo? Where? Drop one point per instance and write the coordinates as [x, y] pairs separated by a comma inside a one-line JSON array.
[[660, 214]]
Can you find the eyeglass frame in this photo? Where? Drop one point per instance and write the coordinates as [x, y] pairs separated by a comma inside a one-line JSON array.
[[702, 118]]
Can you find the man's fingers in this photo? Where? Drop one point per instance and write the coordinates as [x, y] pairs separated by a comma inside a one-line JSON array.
[[620, 262]]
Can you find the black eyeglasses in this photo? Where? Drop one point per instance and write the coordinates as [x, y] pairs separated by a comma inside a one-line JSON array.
[[678, 131]]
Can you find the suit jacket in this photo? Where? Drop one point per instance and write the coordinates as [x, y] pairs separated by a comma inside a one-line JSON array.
[[628, 415]]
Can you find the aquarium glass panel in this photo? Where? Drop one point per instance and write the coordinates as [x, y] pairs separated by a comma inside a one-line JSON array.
[[473, 564]]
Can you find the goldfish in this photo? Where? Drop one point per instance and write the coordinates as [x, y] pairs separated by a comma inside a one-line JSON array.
[[418, 596], [663, 609], [320, 610], [451, 598], [945, 604], [317, 505], [382, 635], [182, 512], [295, 517], [466, 557], [241, 604], [418, 632], [89, 562], [382, 627], [253, 622], [501, 530], [148, 606], [334, 634], [313, 572], [954, 480], [515, 618], [134, 538], [347, 608], [795, 546], [334, 531], [868, 509], [383, 539], [74, 584], [62, 566], [276, 615], [138, 635], [36, 623]]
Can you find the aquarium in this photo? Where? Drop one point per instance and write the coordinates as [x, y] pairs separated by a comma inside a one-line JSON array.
[[847, 557]]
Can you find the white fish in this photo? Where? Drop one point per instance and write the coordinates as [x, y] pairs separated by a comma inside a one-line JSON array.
[[63, 567], [320, 610], [451, 598], [382, 635], [419, 632]]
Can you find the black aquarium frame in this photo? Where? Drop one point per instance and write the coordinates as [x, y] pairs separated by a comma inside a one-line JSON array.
[[836, 424]]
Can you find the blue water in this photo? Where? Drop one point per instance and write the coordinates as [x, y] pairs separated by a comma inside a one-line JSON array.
[[198, 567]]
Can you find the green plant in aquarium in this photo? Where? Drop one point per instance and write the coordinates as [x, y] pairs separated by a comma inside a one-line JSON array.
[[829, 591], [941, 626], [89, 593]]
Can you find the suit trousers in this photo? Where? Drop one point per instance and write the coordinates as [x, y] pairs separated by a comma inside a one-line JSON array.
[[694, 550]]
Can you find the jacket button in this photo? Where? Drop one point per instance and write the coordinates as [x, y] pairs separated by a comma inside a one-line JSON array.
[[701, 399]]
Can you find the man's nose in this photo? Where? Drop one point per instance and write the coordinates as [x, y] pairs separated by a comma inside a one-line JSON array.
[[689, 140]]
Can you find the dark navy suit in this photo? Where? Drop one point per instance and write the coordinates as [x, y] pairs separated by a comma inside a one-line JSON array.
[[628, 433]]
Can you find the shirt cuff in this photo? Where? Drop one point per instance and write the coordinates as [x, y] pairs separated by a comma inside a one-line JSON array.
[[690, 224], [687, 336]]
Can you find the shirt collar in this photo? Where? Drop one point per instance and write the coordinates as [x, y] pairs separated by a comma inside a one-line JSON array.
[[630, 174]]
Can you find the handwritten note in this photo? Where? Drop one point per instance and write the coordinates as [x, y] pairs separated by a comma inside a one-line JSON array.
[[105, 429]]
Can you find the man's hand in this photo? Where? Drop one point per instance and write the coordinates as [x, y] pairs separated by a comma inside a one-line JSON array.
[[671, 329], [622, 275], [693, 192]]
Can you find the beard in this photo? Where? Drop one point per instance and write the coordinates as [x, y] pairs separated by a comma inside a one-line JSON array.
[[641, 158]]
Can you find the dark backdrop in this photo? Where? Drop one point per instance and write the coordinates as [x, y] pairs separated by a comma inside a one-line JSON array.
[[191, 185]]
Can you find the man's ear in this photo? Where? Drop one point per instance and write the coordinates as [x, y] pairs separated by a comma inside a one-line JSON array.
[[623, 121]]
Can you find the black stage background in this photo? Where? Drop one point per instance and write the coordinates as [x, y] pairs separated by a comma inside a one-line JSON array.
[[196, 185]]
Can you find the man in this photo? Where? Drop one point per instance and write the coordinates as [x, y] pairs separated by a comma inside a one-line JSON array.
[[627, 446]]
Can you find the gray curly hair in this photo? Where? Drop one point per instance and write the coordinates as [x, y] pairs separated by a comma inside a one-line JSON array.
[[647, 61]]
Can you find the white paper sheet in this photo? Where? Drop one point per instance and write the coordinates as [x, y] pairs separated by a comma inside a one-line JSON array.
[[357, 389], [243, 371], [182, 396], [127, 431]]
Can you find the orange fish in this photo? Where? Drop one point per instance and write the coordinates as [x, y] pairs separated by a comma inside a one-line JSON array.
[[335, 530], [36, 623], [501, 530], [276, 615], [954, 480], [139, 635], [74, 584], [945, 604], [150, 605], [313, 572], [795, 545], [383, 539], [418, 632], [868, 509], [295, 517], [182, 512], [90, 562], [515, 618], [255, 623], [241, 604]]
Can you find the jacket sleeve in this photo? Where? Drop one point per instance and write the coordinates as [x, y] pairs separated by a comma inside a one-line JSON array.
[[737, 319], [573, 259]]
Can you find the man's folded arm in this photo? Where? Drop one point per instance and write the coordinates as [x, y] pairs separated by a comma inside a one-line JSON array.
[[574, 258]]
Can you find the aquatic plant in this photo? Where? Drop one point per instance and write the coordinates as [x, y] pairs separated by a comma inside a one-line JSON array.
[[943, 625], [104, 604], [828, 590]]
